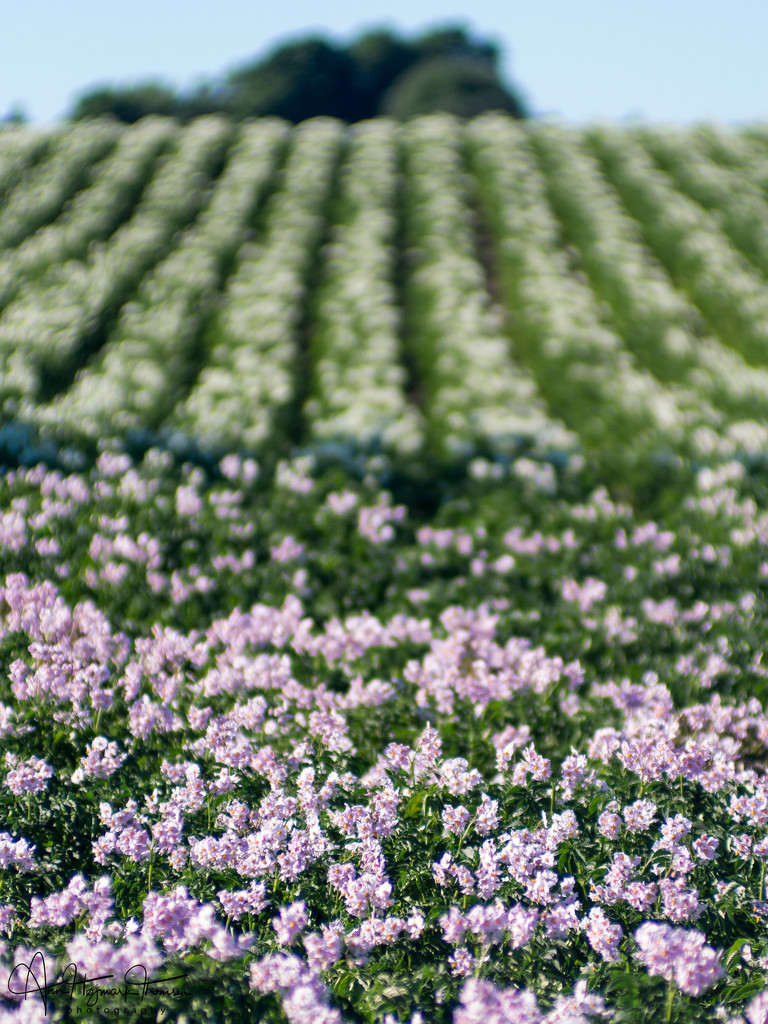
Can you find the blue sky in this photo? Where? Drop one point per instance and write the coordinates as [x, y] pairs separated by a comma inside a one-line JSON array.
[[662, 60]]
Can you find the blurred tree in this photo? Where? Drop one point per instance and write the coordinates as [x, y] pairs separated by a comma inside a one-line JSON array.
[[129, 103], [205, 99], [459, 85], [454, 42], [299, 80], [379, 58], [444, 69], [15, 116]]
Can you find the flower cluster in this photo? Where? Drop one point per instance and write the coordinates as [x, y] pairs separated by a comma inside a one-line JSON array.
[[679, 955]]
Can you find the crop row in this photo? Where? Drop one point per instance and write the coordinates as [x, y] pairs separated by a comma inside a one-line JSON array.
[[19, 151], [473, 390], [248, 381], [431, 286], [664, 331], [47, 329], [735, 199], [582, 365], [358, 378], [688, 240], [94, 213], [44, 191], [155, 345]]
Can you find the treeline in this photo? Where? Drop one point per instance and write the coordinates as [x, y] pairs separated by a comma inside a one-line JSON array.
[[378, 73]]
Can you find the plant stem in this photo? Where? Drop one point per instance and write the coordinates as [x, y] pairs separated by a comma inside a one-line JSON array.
[[668, 1004], [481, 959], [465, 833], [149, 878]]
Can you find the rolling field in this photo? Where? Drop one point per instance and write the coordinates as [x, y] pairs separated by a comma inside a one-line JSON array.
[[438, 288], [383, 573]]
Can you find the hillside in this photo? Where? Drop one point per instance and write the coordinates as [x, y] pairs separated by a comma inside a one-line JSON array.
[[440, 287]]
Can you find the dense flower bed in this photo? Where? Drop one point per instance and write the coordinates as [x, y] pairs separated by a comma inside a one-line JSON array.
[[317, 744]]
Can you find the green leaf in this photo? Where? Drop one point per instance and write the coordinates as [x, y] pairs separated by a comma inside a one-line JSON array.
[[734, 950], [415, 804], [743, 992]]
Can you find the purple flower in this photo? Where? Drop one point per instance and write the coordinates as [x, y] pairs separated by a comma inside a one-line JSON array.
[[29, 776], [291, 923], [483, 1003], [455, 819], [639, 815], [604, 937], [757, 1009], [461, 961], [679, 955]]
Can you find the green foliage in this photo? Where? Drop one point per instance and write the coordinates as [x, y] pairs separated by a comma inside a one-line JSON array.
[[458, 85], [308, 78], [126, 103], [379, 58], [445, 69]]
